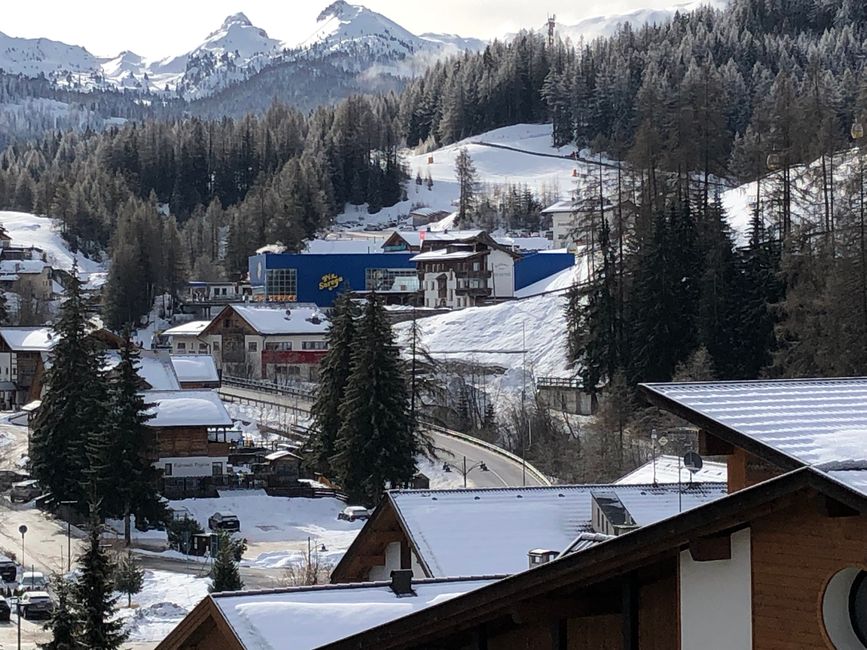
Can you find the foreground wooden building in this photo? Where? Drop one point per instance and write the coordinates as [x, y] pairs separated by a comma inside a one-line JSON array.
[[779, 562]]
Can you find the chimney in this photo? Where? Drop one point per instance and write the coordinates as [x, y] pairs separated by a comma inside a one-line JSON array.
[[401, 583], [537, 556]]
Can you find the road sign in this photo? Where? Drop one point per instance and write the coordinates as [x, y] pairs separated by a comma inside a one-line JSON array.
[[663, 441], [22, 529], [692, 461]]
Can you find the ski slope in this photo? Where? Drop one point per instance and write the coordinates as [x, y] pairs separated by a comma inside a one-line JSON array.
[[27, 230]]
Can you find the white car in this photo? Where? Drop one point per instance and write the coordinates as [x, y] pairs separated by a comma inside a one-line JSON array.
[[354, 513], [33, 581]]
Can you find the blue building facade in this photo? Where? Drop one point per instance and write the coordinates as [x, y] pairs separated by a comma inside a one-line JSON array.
[[318, 278]]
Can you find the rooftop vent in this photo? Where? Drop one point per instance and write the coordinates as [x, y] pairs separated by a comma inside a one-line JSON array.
[[539, 556], [401, 583], [610, 516]]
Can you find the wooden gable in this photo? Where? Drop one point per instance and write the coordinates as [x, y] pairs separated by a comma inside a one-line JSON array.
[[228, 321], [204, 628]]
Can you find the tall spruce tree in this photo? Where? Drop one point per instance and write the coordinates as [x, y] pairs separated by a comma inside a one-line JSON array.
[[334, 373], [64, 619], [73, 409], [376, 444], [93, 592], [224, 574], [465, 172], [126, 478]]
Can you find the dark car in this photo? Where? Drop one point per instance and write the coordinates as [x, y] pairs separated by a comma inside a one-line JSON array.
[[224, 521], [36, 604], [25, 491], [5, 610], [8, 569]]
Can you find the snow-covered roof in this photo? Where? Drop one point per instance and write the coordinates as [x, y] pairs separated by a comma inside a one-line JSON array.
[[192, 328], [567, 205], [283, 320], [155, 367], [336, 246], [191, 368], [818, 422], [467, 532], [525, 243], [452, 235], [667, 470], [442, 255], [179, 408], [427, 212], [22, 266], [277, 455], [28, 339], [309, 617]]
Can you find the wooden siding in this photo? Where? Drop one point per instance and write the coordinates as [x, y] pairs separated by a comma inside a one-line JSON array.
[[745, 470], [188, 441], [595, 633], [794, 553]]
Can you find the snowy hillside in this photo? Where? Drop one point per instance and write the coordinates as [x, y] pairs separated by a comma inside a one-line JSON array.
[[32, 57], [510, 155], [27, 230], [597, 26], [495, 336]]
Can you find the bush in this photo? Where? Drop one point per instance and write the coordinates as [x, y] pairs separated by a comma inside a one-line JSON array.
[[177, 529]]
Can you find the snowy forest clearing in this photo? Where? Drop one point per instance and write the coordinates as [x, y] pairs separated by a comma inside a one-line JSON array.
[[27, 230]]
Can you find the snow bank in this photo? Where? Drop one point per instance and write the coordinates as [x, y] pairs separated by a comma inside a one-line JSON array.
[[164, 600]]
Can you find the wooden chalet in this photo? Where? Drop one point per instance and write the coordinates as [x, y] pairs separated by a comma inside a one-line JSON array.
[[191, 441]]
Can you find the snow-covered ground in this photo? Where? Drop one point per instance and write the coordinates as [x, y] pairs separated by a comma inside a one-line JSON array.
[[164, 600], [32, 230], [497, 335], [495, 166]]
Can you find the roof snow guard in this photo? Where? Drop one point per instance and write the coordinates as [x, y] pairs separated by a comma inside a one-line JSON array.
[[793, 422]]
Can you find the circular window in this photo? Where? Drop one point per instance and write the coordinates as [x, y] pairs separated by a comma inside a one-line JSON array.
[[844, 609], [858, 606]]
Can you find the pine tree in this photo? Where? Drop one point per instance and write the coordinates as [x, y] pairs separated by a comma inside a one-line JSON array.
[[376, 444], [224, 574], [128, 577], [94, 596], [465, 172], [334, 373], [4, 309], [73, 404], [121, 456], [64, 619]]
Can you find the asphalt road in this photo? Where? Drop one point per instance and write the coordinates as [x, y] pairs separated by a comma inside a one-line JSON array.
[[502, 471]]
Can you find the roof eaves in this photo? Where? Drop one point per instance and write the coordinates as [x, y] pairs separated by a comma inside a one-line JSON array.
[[592, 564], [717, 428], [407, 530]]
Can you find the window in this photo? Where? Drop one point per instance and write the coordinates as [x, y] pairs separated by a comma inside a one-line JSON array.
[[227, 323], [843, 612], [281, 285], [216, 469], [203, 347], [252, 346], [391, 280], [314, 345], [477, 266], [167, 469], [282, 346], [216, 346], [182, 346]]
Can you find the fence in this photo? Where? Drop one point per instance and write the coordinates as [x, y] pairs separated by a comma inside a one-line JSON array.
[[267, 386]]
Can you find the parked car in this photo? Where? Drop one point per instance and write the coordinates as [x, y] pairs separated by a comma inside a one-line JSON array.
[[24, 491], [354, 513], [9, 477], [36, 604], [5, 610], [8, 569], [33, 581], [224, 521]]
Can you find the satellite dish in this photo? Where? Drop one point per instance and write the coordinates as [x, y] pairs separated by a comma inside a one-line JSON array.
[[692, 461]]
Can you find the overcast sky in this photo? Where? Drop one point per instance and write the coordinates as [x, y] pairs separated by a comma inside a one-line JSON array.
[[159, 28]]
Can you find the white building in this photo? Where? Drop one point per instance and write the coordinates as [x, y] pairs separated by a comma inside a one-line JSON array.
[[564, 222], [185, 338], [277, 342], [462, 267]]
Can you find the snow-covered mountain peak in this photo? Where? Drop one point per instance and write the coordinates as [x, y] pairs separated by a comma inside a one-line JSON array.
[[341, 21], [239, 18]]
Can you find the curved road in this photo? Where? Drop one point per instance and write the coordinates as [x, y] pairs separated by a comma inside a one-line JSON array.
[[502, 470]]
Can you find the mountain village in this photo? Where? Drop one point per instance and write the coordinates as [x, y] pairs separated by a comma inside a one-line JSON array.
[[376, 339]]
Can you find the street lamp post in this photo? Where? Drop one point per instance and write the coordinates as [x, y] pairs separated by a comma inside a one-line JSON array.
[[464, 470], [68, 535], [22, 529]]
